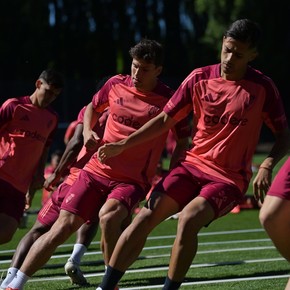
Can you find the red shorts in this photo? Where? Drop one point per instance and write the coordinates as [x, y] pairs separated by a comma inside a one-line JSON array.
[[50, 211], [184, 183], [281, 183], [12, 200], [90, 191]]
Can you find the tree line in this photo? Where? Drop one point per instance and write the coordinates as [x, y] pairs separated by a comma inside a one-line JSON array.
[[89, 39]]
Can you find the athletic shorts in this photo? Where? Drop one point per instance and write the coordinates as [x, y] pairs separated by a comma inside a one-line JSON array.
[[50, 210], [12, 201], [281, 183], [90, 191], [184, 183]]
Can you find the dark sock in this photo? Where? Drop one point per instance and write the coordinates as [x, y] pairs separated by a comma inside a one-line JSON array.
[[171, 285], [111, 278]]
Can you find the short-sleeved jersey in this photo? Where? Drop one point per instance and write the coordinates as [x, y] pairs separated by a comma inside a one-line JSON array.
[[129, 110], [25, 130], [85, 155], [228, 116]]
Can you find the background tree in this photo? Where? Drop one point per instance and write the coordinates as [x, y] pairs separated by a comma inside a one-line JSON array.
[[88, 40]]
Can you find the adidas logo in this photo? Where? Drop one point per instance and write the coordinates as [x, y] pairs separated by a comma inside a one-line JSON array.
[[24, 118]]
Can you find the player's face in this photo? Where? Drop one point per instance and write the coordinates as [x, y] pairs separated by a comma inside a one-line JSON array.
[[144, 74], [235, 56], [46, 93]]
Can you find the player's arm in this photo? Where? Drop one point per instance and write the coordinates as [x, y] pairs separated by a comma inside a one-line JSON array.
[[152, 129], [263, 178], [180, 147], [70, 154], [38, 178], [91, 117]]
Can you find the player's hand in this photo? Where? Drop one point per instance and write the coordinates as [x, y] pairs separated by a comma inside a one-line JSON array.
[[109, 150], [91, 140], [51, 182], [262, 183], [29, 197]]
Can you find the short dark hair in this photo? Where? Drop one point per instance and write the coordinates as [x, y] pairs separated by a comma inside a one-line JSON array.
[[52, 77], [149, 50], [246, 31]]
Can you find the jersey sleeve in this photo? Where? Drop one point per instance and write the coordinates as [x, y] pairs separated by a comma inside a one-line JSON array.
[[180, 105], [7, 110], [273, 111]]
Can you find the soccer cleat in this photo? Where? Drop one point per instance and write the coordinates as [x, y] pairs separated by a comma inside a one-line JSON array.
[[9, 288], [72, 269]]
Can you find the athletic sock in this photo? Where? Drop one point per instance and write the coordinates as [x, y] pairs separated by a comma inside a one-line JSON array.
[[11, 273], [19, 280], [78, 252], [111, 278], [171, 285]]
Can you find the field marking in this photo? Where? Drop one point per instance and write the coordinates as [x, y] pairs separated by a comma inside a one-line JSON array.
[[203, 265], [90, 253], [212, 282], [166, 237], [165, 268], [65, 245]]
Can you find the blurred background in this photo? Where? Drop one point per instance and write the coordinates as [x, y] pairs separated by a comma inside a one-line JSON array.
[[88, 40]]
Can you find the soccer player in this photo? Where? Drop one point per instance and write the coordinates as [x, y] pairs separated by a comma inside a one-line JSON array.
[[274, 214], [133, 100], [75, 156], [27, 124], [229, 101]]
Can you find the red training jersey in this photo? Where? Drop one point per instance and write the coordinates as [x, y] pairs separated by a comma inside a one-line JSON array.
[[129, 110], [228, 116], [25, 130]]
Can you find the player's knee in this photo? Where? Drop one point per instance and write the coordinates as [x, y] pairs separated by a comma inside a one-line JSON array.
[[6, 238], [266, 219]]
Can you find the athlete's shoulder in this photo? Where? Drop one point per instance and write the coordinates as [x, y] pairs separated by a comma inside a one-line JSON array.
[[203, 73], [121, 78], [16, 101], [256, 75], [258, 78]]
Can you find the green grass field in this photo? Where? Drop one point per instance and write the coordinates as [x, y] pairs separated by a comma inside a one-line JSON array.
[[234, 252]]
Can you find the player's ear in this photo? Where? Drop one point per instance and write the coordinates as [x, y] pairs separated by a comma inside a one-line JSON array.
[[159, 70], [38, 83], [253, 55]]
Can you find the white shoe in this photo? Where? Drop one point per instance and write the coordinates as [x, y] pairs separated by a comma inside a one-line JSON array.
[[72, 269]]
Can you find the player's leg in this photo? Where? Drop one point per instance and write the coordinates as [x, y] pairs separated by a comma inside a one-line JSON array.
[[111, 216], [8, 228], [191, 219], [275, 211], [85, 235], [215, 199], [11, 210], [44, 247], [275, 218], [116, 213], [22, 249], [132, 240]]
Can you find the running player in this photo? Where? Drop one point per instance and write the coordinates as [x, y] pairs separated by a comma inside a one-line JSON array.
[[76, 156], [229, 102], [27, 124], [133, 101]]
